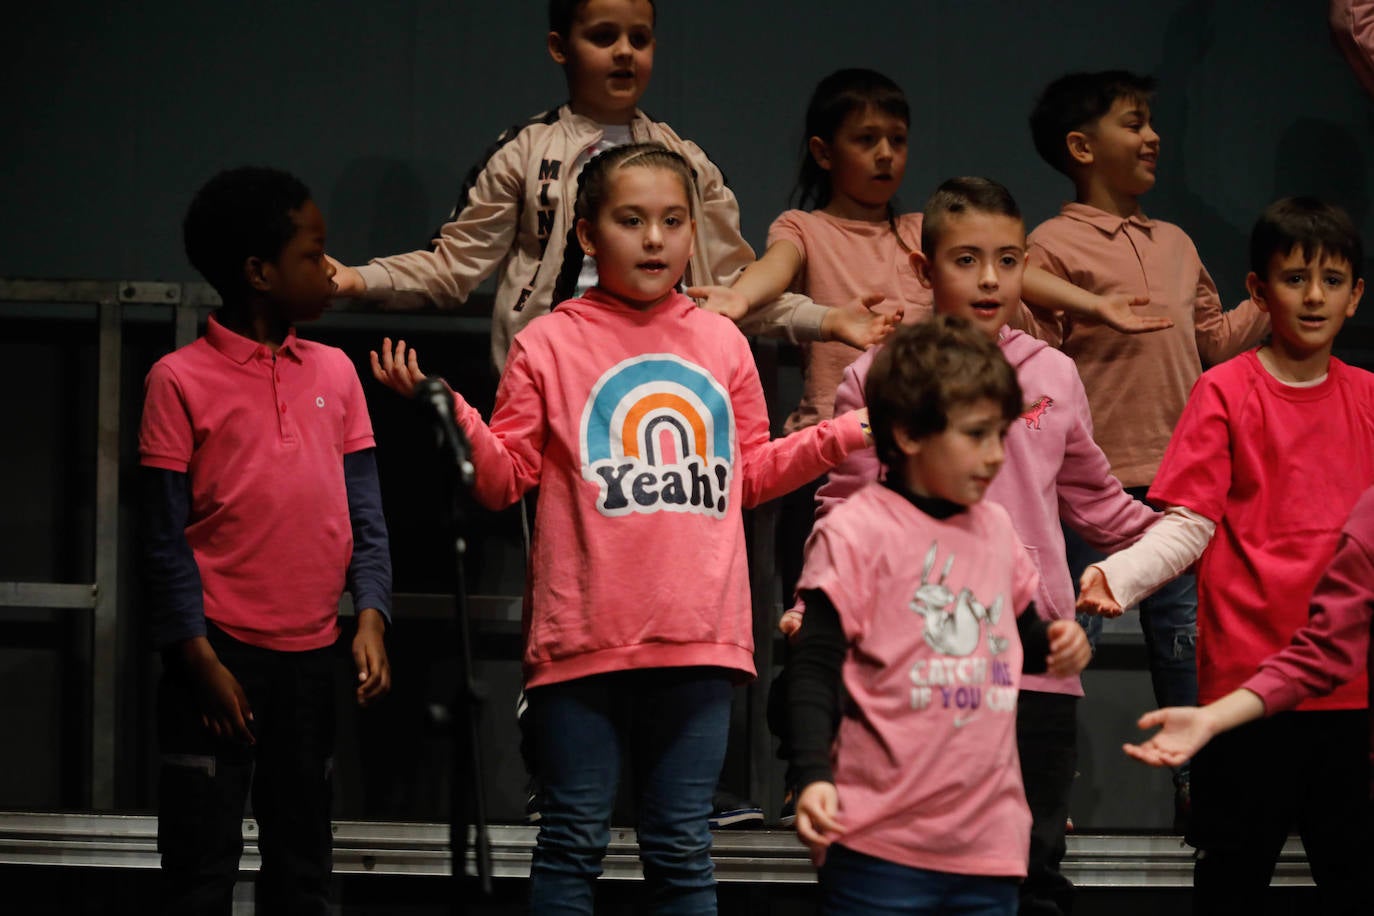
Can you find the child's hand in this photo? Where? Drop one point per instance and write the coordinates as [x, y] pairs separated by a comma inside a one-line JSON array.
[[790, 623], [369, 656], [397, 369], [347, 279], [1095, 596], [721, 299], [1070, 651], [224, 709], [862, 329], [816, 824], [1184, 730], [1115, 311]]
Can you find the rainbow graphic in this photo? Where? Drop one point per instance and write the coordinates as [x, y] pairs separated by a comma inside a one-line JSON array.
[[658, 434]]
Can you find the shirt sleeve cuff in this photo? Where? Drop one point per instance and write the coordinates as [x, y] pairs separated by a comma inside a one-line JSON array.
[[376, 278]]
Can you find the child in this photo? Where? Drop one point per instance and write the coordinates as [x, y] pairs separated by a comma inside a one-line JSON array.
[[1095, 128], [1331, 649], [1272, 452], [971, 258], [515, 210], [848, 242], [262, 506], [641, 419], [918, 806]]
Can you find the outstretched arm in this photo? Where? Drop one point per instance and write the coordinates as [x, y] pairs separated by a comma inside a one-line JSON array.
[[507, 454], [1117, 311], [1172, 544], [1183, 730]]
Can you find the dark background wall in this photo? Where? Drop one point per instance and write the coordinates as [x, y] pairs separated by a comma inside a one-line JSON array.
[[115, 113]]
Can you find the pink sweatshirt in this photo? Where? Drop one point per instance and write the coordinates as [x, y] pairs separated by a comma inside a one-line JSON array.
[[1137, 384], [1053, 470], [646, 432], [1335, 645]]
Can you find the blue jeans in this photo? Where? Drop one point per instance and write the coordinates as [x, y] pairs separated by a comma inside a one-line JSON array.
[[854, 884], [672, 722]]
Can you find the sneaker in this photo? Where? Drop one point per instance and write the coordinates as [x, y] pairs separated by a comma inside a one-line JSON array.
[[729, 812], [787, 814]]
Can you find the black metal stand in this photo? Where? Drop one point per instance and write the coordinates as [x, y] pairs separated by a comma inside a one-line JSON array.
[[468, 791]]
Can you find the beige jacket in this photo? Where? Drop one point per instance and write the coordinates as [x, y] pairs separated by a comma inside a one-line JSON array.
[[514, 214]]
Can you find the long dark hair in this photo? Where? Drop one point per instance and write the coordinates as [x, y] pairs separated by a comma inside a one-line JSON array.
[[834, 97]]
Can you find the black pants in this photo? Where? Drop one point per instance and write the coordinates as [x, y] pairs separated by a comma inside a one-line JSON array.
[[1047, 740], [1307, 771], [204, 784]]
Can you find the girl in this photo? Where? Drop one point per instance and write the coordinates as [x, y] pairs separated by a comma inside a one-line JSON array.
[[911, 796], [641, 419]]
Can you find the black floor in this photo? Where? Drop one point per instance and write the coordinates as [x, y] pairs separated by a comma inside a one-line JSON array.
[[43, 890]]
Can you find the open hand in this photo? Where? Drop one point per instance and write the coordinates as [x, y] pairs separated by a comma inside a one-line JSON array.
[[816, 824], [864, 328], [1183, 730], [397, 369], [1117, 311], [720, 299], [1095, 596]]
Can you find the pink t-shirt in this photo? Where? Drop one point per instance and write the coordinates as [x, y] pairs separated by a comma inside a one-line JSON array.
[[262, 437], [842, 261], [927, 771], [1137, 384], [1278, 469], [1053, 471], [647, 434]]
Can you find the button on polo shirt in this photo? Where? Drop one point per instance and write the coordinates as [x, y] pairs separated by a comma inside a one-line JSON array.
[[262, 437]]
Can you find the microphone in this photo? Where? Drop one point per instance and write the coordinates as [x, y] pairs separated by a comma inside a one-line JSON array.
[[436, 400]]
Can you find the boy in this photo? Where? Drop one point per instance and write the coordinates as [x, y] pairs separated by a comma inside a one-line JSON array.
[[515, 209], [1271, 454], [262, 505], [913, 797], [1095, 128], [1331, 649], [973, 253]]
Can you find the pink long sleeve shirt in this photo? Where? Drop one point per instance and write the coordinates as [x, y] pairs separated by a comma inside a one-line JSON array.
[[647, 433]]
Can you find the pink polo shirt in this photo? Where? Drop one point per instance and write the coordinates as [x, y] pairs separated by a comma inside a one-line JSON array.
[[262, 437], [1137, 384]]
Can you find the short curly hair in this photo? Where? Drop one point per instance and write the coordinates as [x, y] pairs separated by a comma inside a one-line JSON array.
[[240, 213], [927, 369]]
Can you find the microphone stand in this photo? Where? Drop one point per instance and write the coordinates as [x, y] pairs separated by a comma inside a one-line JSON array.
[[468, 792]]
